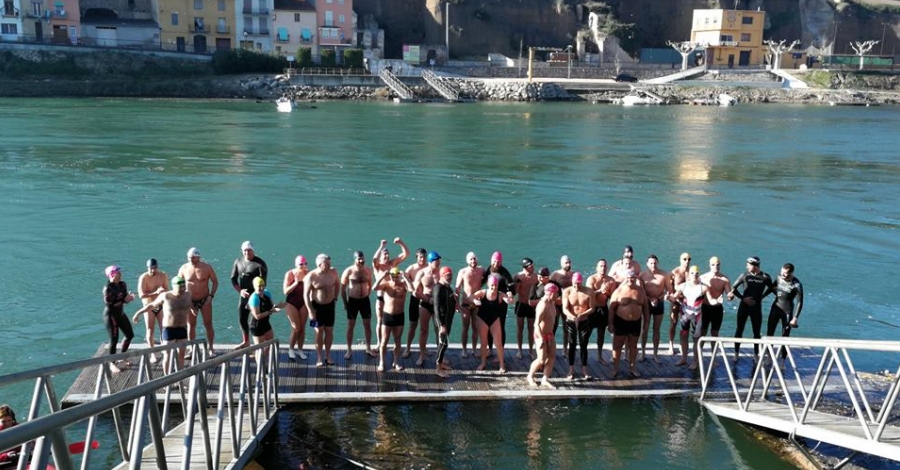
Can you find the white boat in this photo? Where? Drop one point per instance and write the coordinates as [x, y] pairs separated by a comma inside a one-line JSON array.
[[285, 105], [724, 99], [639, 98]]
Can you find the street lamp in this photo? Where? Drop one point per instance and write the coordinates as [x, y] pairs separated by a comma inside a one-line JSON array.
[[447, 29], [569, 56], [883, 30]]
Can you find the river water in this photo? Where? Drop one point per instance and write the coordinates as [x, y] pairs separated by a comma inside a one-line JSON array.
[[93, 182]]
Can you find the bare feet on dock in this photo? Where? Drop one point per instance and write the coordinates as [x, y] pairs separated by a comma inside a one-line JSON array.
[[398, 367], [546, 384], [635, 373], [693, 366], [519, 355], [681, 362], [642, 357], [371, 353], [406, 353], [463, 354], [442, 374], [656, 359], [481, 366], [348, 355], [530, 381], [380, 367], [420, 361]]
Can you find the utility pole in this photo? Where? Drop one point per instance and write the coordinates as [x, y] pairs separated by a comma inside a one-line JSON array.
[[569, 56], [883, 30], [447, 29]]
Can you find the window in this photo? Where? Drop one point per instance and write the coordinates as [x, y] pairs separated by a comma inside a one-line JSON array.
[[747, 20], [198, 24], [9, 28], [174, 18], [296, 17], [745, 37], [198, 4], [341, 19], [8, 8], [340, 2], [328, 1], [707, 21], [37, 9], [221, 5], [329, 18], [221, 25]]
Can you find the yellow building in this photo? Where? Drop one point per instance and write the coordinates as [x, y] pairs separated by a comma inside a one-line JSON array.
[[200, 26], [731, 37]]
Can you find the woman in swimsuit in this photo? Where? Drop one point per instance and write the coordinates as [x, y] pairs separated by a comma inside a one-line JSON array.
[[491, 303], [295, 307], [261, 308]]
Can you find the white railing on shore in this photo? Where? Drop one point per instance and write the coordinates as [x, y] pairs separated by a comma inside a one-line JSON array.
[[394, 83], [802, 392], [445, 90], [44, 428]]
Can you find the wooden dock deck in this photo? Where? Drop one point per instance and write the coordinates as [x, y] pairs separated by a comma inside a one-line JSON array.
[[356, 380]]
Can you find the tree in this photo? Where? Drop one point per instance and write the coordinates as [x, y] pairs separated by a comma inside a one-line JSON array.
[[778, 49], [862, 48], [684, 48]]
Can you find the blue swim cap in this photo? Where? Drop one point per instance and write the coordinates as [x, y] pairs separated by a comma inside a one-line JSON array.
[[433, 256]]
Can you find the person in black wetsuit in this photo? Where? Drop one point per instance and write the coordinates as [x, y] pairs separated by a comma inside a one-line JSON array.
[[245, 269], [756, 285], [787, 305], [444, 307], [115, 296], [492, 304]]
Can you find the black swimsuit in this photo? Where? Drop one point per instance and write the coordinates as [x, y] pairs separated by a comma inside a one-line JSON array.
[[490, 310]]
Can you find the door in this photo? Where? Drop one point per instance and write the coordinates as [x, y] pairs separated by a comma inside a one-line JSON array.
[[179, 44], [106, 36], [60, 34], [223, 44], [199, 43], [744, 59], [38, 31], [730, 61]]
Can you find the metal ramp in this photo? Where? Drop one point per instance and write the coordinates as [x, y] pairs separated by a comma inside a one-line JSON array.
[[786, 398], [444, 89], [691, 72], [789, 81], [394, 83]]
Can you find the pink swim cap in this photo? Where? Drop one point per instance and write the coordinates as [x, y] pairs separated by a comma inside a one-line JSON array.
[[550, 288], [497, 256], [112, 270], [493, 280], [446, 270], [300, 259], [577, 278]]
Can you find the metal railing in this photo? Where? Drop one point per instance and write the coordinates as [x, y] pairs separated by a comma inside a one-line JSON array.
[[394, 83], [41, 431], [444, 89], [802, 391]]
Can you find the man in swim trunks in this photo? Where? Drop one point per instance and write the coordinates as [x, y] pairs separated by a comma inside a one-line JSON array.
[[678, 275], [757, 285], [394, 285], [657, 286], [544, 339], [444, 307], [151, 284], [176, 308], [244, 270], [468, 281], [356, 284], [202, 283], [563, 278], [603, 286], [578, 304], [321, 286], [381, 264], [411, 272], [537, 293], [423, 284], [691, 294], [525, 280], [717, 285], [787, 305], [620, 268], [628, 309]]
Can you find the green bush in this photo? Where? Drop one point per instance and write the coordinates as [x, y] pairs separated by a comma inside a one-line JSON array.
[[328, 58], [353, 58], [304, 57], [234, 61]]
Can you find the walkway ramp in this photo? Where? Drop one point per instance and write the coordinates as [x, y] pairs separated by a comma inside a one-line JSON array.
[[681, 75], [788, 80], [800, 401], [443, 88], [394, 83]]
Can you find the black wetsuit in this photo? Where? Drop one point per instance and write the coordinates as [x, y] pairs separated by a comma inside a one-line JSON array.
[[114, 318], [242, 274], [756, 286], [264, 303], [444, 307], [786, 307], [506, 285]]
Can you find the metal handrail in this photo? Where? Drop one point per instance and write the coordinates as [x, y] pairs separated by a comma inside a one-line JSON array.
[[46, 431], [395, 84], [806, 397], [445, 90]]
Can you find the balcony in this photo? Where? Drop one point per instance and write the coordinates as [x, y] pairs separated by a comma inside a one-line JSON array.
[[260, 32], [223, 29], [198, 28], [9, 12], [285, 38], [59, 14], [259, 12]]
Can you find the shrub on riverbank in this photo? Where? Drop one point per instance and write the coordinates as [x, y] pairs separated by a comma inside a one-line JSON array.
[[235, 61]]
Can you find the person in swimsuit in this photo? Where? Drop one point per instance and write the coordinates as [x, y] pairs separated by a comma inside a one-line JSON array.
[[115, 296], [756, 285], [525, 280], [394, 285], [444, 307], [423, 285], [787, 305], [295, 307], [544, 340], [381, 265], [321, 288], [151, 284], [537, 293], [603, 286], [717, 285], [176, 308], [411, 272], [578, 305], [691, 295], [506, 286], [563, 278], [261, 309], [619, 270], [356, 284], [678, 276], [202, 283], [468, 281], [657, 286], [628, 309], [243, 272], [491, 304]]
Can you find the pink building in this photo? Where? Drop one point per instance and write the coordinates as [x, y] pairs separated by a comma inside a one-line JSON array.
[[64, 20], [335, 24]]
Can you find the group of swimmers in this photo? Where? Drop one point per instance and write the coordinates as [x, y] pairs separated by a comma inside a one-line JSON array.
[[623, 298]]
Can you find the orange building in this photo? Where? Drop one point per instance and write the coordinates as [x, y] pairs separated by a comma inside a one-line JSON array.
[[731, 37]]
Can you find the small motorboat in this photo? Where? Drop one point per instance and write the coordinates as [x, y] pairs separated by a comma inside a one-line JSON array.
[[284, 104], [638, 98], [724, 99]]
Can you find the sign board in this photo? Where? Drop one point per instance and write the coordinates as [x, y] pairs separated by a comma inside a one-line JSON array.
[[411, 54], [290, 58]]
